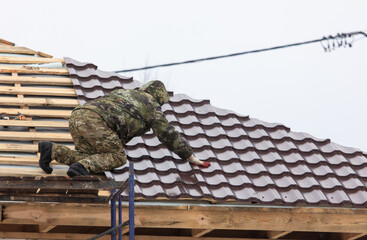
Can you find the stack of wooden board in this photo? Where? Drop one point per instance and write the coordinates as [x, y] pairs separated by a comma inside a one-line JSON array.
[[36, 88]]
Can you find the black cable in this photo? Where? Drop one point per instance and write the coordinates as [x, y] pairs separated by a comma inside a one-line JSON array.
[[242, 53]]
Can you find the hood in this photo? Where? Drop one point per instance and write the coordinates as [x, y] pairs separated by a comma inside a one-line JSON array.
[[157, 89]]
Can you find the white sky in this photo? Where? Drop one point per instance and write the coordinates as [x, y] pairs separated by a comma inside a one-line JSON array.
[[323, 94]]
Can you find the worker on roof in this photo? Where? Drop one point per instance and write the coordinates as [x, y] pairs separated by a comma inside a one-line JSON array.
[[101, 127]]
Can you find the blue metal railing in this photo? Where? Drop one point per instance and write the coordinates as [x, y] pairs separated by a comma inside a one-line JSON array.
[[116, 194]]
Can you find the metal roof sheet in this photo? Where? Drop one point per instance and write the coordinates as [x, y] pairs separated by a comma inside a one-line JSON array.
[[252, 161]]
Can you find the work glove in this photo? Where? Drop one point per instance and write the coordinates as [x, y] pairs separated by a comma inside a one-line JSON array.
[[197, 162]]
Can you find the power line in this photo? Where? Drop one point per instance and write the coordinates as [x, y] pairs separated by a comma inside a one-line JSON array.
[[328, 43]]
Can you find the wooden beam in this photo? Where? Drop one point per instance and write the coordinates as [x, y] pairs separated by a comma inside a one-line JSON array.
[[51, 102], [200, 232], [276, 234], [194, 216], [7, 147], [125, 230], [33, 235], [39, 136], [146, 237], [31, 172], [58, 81], [36, 112], [21, 160], [6, 42], [19, 50], [33, 123], [45, 55], [33, 70], [352, 236], [30, 60], [45, 228], [63, 92]]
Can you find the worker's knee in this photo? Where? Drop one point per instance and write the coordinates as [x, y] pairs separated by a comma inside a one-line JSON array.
[[99, 163]]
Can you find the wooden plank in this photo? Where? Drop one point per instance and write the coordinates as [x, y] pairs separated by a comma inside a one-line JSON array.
[[58, 81], [6, 42], [63, 92], [52, 102], [36, 112], [63, 184], [22, 160], [18, 160], [18, 148], [19, 50], [39, 136], [33, 235], [276, 234], [301, 219], [30, 60], [149, 237], [352, 236], [31, 172], [33, 70], [44, 228], [200, 232], [45, 55], [46, 124]]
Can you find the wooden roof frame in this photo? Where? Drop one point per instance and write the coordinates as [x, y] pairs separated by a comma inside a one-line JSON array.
[[199, 219]]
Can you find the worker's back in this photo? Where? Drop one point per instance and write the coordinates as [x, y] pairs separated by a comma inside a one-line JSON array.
[[127, 112]]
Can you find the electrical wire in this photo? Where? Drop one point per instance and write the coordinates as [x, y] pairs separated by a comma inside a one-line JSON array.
[[338, 36]]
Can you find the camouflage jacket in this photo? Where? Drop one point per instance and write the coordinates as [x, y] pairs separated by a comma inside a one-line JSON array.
[[132, 113]]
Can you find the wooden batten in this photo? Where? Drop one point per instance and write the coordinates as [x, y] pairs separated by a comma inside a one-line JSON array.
[[38, 136], [54, 81], [31, 172], [36, 112], [46, 102], [60, 92], [30, 60], [46, 124], [12, 147], [9, 147], [45, 55], [6, 42], [18, 50], [33, 70]]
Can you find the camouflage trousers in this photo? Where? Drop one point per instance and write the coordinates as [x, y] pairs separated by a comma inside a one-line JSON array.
[[97, 147]]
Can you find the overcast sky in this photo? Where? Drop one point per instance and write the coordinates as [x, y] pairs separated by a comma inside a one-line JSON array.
[[304, 88]]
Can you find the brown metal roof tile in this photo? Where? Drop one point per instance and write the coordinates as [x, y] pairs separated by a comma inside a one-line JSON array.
[[293, 157], [277, 169], [307, 182], [321, 170], [314, 158], [352, 183], [307, 147], [248, 156], [285, 182], [357, 160], [315, 197], [299, 170], [270, 157], [329, 183], [236, 133], [337, 197], [252, 161], [292, 196]]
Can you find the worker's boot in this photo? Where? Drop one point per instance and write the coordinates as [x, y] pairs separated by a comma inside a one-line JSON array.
[[45, 148], [76, 169]]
